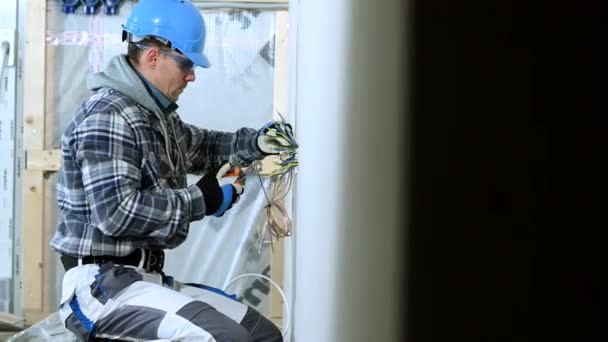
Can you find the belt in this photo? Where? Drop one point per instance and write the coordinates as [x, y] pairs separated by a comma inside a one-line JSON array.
[[153, 260]]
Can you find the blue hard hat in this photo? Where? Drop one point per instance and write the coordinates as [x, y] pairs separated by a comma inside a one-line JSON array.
[[177, 21]]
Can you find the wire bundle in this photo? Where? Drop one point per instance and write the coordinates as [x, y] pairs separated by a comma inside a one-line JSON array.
[[281, 135], [274, 221]]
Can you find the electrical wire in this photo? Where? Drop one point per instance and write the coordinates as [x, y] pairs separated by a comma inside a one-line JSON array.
[[275, 222], [285, 302]]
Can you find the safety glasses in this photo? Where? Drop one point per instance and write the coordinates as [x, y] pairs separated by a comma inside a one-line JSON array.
[[183, 63]]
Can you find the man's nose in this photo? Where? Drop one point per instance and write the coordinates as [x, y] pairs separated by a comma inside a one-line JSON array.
[[190, 77]]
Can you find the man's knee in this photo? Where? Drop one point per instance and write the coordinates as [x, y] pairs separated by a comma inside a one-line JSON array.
[[267, 332], [237, 333], [214, 323], [260, 327]]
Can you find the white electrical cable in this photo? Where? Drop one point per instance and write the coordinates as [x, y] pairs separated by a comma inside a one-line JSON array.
[[286, 308], [274, 221]]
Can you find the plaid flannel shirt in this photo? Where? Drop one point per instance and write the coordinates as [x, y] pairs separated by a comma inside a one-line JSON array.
[[122, 183]]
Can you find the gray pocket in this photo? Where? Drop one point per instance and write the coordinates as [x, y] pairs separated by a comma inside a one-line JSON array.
[[111, 280]]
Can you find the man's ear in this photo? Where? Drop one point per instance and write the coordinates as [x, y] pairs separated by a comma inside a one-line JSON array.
[[150, 57]]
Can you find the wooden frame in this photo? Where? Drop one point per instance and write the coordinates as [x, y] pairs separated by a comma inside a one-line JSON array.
[[281, 96], [34, 245], [36, 252], [43, 160]]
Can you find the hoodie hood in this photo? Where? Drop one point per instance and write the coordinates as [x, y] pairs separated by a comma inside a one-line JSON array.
[[120, 76]]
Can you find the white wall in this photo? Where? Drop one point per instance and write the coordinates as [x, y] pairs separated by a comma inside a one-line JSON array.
[[349, 102]]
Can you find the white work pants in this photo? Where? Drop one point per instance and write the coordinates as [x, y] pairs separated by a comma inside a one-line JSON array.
[[127, 303]]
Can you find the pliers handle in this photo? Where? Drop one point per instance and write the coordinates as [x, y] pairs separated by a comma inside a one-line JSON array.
[[236, 172]]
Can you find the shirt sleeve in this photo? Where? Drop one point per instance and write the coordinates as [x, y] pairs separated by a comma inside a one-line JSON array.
[[206, 147], [112, 166]]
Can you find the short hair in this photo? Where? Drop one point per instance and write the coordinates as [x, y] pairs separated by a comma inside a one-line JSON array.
[[134, 53]]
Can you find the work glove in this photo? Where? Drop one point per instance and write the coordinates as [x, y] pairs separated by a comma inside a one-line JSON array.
[[270, 142], [219, 194]]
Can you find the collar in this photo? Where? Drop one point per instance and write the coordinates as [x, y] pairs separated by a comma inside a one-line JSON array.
[[166, 105]]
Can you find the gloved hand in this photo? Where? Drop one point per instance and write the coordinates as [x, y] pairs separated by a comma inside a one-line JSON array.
[[270, 140], [218, 194]]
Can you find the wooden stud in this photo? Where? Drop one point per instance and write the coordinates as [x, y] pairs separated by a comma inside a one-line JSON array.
[[34, 73], [43, 160], [33, 239], [49, 256], [281, 96], [33, 182]]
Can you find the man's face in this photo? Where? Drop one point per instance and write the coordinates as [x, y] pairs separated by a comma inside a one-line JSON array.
[[174, 72]]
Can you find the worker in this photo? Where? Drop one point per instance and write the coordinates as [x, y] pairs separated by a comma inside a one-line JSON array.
[[123, 195]]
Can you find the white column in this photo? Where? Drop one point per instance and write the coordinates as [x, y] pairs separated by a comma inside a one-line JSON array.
[[349, 102]]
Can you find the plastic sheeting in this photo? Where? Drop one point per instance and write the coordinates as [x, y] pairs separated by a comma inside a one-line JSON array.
[[236, 91], [8, 76], [48, 329], [219, 249]]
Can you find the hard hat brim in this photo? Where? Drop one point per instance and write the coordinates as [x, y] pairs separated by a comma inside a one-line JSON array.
[[199, 59]]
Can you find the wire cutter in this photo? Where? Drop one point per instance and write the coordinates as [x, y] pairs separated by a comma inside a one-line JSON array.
[[239, 173]]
